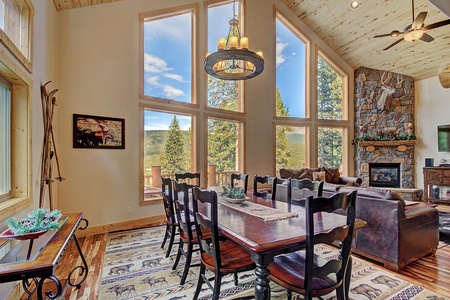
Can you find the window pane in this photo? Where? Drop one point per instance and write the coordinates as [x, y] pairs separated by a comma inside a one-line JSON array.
[[290, 70], [5, 144], [221, 93], [167, 57], [223, 148], [330, 147], [290, 147], [167, 146], [329, 92]]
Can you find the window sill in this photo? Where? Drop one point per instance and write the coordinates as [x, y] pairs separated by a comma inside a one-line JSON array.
[[12, 206]]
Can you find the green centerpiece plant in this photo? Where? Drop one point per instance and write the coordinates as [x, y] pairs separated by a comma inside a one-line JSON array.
[[234, 192]]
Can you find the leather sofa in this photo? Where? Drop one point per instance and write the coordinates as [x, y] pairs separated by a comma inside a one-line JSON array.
[[395, 235]]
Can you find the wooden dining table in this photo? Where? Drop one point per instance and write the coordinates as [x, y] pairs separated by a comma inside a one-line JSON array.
[[266, 239]]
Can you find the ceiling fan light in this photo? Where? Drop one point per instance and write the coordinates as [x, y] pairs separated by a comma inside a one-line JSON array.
[[413, 35], [354, 4]]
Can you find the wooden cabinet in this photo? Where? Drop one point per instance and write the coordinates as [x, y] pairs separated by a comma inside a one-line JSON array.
[[433, 178]]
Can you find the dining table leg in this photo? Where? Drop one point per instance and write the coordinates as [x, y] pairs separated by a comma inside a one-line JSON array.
[[262, 286]]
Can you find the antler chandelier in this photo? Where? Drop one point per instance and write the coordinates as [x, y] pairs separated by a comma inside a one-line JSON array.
[[233, 60]]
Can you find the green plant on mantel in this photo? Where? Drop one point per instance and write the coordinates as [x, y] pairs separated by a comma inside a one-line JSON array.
[[234, 192], [403, 137]]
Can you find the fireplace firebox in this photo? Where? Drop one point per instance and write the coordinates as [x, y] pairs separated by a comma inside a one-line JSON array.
[[384, 175]]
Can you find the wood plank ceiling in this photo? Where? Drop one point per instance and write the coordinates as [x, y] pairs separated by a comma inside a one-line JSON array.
[[350, 32]]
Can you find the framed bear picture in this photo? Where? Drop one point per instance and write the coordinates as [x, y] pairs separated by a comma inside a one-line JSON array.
[[98, 132]]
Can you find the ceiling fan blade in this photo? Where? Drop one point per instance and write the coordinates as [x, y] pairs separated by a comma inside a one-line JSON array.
[[418, 21], [437, 24], [427, 38], [393, 44], [382, 35]]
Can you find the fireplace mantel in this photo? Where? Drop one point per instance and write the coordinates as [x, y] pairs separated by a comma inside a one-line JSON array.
[[387, 143]]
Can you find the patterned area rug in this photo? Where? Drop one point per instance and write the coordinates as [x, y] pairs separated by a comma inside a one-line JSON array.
[[444, 227], [135, 268]]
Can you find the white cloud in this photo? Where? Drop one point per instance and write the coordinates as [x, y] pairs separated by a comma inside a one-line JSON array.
[[186, 127], [155, 64], [171, 92], [156, 126], [153, 80], [174, 77], [280, 46]]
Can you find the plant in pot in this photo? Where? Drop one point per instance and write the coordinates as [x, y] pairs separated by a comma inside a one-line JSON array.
[[234, 194]]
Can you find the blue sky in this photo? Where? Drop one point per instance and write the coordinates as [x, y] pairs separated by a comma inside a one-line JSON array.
[[167, 62]]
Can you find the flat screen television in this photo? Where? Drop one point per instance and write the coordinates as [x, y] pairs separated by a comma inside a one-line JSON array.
[[444, 138]]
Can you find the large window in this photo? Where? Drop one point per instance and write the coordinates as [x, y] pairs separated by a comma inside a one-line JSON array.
[[167, 55], [16, 23], [311, 122], [167, 148], [290, 69], [222, 94], [5, 137]]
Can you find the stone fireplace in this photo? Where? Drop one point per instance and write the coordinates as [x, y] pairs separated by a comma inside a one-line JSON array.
[[384, 109]]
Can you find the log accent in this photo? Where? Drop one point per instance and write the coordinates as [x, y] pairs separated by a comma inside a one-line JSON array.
[[386, 143]]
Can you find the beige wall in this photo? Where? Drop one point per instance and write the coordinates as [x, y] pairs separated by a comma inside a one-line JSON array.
[[432, 102], [98, 75]]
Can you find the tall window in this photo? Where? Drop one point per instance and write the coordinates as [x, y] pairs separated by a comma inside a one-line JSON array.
[[222, 94], [167, 148], [329, 91], [290, 69], [16, 22], [225, 138], [167, 56], [330, 141], [5, 145], [290, 147]]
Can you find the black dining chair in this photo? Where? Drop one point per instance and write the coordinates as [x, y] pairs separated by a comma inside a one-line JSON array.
[[188, 234], [267, 180], [304, 188], [189, 178], [305, 271], [171, 219], [219, 256], [239, 179]]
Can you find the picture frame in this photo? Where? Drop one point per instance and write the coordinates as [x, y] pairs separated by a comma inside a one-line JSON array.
[[98, 132]]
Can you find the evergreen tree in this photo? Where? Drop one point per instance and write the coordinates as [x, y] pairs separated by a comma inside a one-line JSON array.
[[283, 155], [173, 158], [329, 108]]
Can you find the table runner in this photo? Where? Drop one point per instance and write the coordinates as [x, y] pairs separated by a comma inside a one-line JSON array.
[[264, 212]]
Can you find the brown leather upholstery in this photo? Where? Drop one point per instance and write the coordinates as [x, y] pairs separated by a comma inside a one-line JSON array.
[[393, 235]]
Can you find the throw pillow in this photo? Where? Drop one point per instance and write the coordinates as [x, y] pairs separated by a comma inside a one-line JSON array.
[[352, 183], [331, 174], [319, 176]]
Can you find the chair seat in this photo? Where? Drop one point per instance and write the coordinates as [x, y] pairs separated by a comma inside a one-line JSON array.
[[169, 221], [288, 270], [234, 258], [184, 236]]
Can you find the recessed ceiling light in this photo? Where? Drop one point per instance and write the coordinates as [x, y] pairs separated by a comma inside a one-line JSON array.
[[354, 4]]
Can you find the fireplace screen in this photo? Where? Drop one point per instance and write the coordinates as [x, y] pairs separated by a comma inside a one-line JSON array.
[[384, 175]]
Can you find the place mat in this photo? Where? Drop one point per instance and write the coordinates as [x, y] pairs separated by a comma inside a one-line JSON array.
[[264, 212]]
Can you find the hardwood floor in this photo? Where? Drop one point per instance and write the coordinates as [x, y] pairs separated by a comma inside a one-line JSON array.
[[430, 272]]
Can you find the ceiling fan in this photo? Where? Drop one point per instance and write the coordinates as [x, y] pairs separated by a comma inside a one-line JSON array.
[[414, 31]]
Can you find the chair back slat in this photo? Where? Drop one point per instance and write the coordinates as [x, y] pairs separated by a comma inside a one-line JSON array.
[[272, 181], [167, 195], [339, 235], [192, 179], [239, 179], [207, 222], [182, 207], [304, 184]]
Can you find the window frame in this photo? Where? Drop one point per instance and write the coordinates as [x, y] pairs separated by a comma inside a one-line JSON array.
[[23, 52], [194, 151], [161, 14], [21, 146]]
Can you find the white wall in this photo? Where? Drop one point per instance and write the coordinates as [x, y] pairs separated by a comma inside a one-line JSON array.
[[98, 75], [432, 109]]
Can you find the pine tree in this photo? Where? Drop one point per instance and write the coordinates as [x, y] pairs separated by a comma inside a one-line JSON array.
[[173, 158], [283, 155]]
